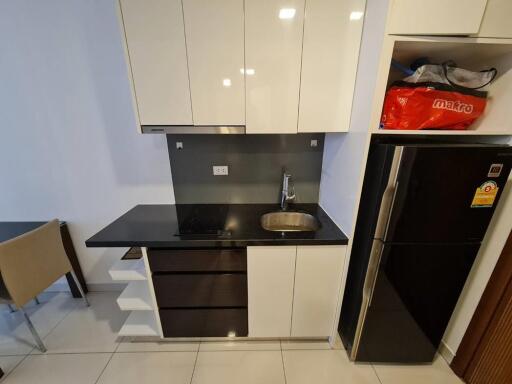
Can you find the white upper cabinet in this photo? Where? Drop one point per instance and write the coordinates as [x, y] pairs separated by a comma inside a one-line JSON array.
[[156, 47], [270, 274], [273, 47], [435, 17], [496, 21], [332, 35], [215, 47], [318, 277]]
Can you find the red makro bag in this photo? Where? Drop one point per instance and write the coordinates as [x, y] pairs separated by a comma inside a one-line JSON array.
[[425, 106], [437, 103]]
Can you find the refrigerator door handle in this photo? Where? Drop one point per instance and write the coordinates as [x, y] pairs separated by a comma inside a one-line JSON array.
[[388, 197], [395, 189], [375, 274], [369, 286]]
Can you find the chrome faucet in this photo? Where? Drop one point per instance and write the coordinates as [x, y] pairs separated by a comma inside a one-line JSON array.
[[288, 192]]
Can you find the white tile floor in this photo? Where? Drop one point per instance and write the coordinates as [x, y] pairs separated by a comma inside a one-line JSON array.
[[83, 348]]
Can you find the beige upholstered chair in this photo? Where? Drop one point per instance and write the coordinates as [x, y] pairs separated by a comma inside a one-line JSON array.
[[29, 264]]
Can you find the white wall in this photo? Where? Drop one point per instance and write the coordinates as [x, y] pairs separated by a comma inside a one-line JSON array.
[[68, 144]]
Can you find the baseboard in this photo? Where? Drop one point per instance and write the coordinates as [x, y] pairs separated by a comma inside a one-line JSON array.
[[106, 287], [446, 352]]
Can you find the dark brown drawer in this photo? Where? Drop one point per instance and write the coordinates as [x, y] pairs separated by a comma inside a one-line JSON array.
[[200, 290], [204, 322], [198, 260]]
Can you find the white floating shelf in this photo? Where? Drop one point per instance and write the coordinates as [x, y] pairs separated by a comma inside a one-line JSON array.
[[140, 323], [135, 297], [128, 270]]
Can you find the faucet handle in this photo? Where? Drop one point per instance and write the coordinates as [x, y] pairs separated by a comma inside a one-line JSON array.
[[291, 193]]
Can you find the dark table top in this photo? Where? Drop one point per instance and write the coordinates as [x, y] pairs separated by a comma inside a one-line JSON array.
[[210, 225], [12, 229]]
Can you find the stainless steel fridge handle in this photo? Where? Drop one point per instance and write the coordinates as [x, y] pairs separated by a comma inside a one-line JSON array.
[[391, 206], [377, 264], [388, 197], [374, 277]]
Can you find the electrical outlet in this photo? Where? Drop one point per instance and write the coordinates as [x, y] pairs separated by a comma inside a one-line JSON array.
[[179, 145], [314, 143], [220, 170]]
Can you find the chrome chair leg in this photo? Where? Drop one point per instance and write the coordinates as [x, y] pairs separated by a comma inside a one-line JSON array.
[[80, 288], [11, 308], [37, 300], [38, 340]]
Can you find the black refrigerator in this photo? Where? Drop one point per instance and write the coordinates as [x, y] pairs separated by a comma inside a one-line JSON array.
[[423, 213]]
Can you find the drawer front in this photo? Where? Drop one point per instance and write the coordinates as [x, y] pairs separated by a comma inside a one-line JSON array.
[[200, 290], [198, 260], [204, 322]]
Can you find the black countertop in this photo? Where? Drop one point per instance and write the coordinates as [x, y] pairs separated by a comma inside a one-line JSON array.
[[210, 225]]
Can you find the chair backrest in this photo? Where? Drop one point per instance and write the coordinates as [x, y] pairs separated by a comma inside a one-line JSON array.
[[30, 263]]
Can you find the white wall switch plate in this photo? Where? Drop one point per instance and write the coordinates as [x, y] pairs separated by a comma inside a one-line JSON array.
[[220, 170], [179, 145], [314, 143]]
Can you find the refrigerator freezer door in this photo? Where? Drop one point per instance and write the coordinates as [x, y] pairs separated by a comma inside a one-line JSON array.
[[410, 301], [436, 188]]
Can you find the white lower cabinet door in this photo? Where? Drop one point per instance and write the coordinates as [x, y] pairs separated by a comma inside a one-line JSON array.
[[318, 276], [270, 275]]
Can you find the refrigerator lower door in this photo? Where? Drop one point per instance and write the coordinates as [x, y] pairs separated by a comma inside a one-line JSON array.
[[410, 293]]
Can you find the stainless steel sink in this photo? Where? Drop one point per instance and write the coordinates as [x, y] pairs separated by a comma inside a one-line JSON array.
[[284, 221]]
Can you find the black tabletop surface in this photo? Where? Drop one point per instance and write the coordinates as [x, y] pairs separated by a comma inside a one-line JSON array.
[[210, 225], [12, 229]]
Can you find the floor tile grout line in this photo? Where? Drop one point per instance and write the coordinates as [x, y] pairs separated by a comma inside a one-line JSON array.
[[242, 350], [284, 369], [194, 369], [376, 374], [146, 351], [60, 321], [73, 353], [30, 353], [104, 368], [16, 366]]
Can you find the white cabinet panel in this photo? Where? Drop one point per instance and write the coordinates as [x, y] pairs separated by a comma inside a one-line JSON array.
[[155, 38], [496, 22], [332, 35], [273, 47], [270, 274], [215, 47], [435, 17], [317, 282]]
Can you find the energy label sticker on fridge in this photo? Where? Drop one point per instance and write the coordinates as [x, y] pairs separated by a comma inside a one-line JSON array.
[[485, 195]]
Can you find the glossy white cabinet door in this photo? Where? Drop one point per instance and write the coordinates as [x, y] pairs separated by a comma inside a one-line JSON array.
[[155, 38], [435, 17], [215, 47], [270, 274], [318, 276], [497, 19], [273, 47], [332, 36]]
